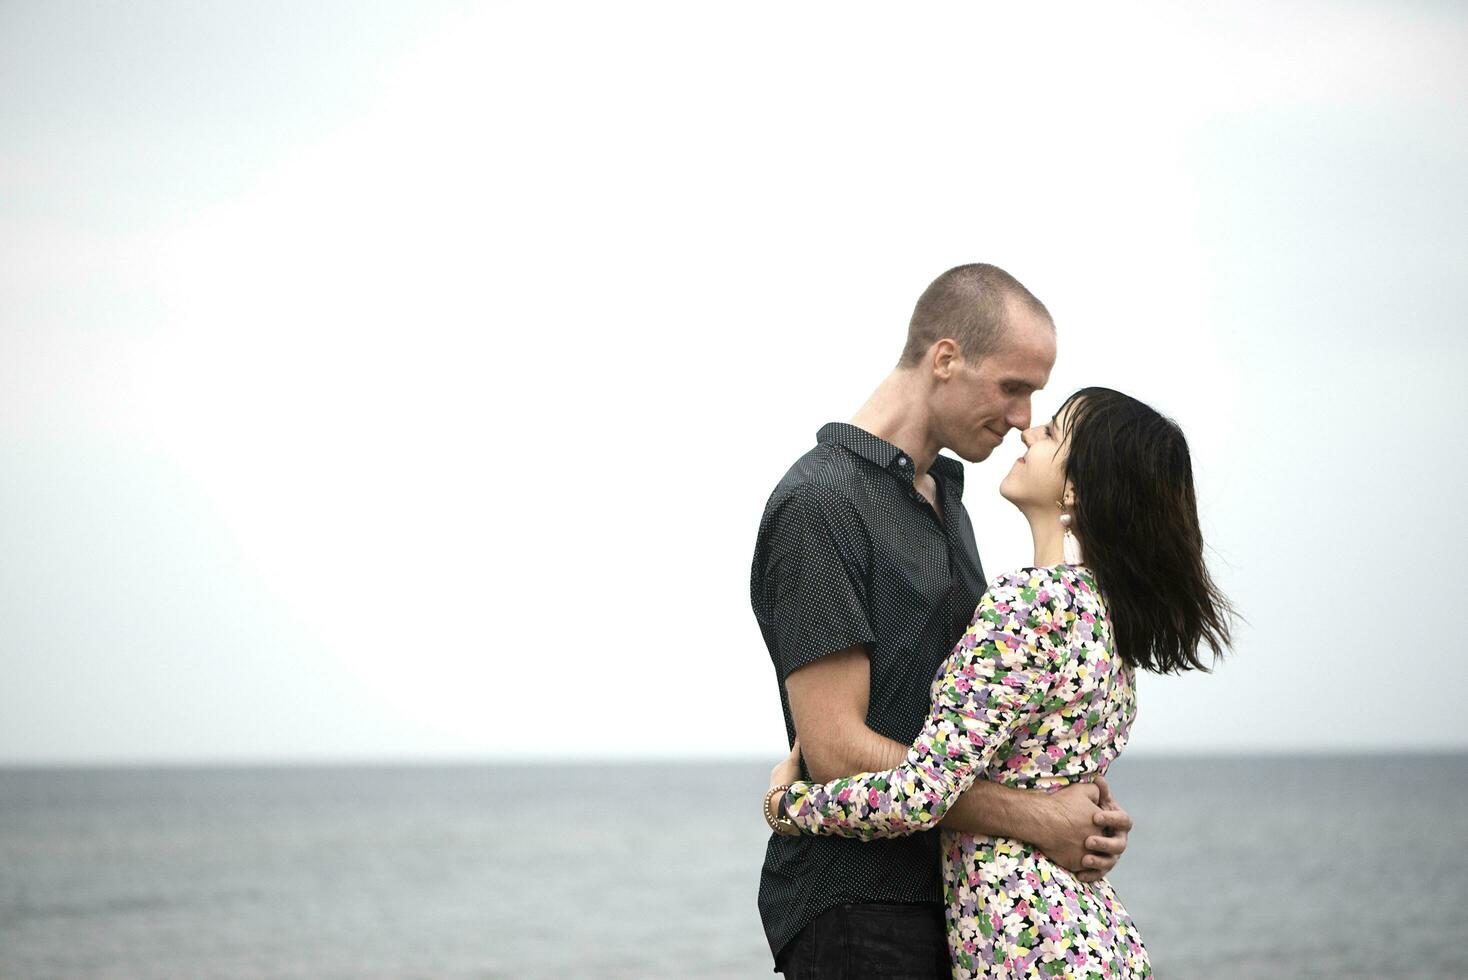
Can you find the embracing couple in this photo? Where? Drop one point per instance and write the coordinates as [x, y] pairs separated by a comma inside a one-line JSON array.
[[943, 812]]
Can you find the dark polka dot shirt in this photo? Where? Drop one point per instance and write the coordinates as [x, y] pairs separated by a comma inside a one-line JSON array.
[[850, 553]]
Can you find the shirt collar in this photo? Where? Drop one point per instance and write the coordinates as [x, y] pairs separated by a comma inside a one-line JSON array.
[[891, 458]]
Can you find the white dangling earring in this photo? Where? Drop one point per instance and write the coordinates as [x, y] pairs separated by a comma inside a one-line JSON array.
[[1069, 545]]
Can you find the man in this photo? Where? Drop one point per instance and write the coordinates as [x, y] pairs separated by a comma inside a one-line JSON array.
[[865, 574]]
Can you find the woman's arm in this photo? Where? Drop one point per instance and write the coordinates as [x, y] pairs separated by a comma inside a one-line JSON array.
[[1000, 673]]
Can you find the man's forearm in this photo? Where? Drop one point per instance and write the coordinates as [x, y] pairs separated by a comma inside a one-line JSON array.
[[996, 810], [986, 808]]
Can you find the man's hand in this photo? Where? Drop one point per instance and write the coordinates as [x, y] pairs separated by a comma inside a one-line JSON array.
[[1104, 849], [1084, 830]]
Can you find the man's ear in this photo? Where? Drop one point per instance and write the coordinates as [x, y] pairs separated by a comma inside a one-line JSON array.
[[945, 358]]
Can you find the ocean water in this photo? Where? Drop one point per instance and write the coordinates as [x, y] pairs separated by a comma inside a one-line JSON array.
[[1249, 868]]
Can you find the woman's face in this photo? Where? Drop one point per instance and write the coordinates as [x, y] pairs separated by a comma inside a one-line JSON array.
[[1038, 477]]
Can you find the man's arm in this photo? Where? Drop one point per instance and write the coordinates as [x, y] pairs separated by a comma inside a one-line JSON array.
[[1074, 827]]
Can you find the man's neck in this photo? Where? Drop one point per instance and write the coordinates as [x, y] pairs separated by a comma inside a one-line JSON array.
[[898, 413]]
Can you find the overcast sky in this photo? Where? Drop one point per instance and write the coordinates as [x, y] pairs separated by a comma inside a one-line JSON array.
[[407, 383]]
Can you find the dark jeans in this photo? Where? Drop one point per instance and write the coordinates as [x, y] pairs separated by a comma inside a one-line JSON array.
[[870, 942]]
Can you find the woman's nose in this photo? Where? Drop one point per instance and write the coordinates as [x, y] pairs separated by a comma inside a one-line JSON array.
[[1027, 437]]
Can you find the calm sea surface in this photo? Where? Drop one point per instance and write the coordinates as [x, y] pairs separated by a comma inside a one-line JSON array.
[[1250, 868]]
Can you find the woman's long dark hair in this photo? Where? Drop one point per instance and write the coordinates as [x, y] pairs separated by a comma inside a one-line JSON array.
[[1136, 517]]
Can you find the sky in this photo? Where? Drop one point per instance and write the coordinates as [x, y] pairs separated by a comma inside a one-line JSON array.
[[405, 382]]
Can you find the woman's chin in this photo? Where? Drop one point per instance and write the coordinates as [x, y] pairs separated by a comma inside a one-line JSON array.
[[1016, 495]]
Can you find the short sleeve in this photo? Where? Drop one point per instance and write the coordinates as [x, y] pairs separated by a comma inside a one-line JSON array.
[[816, 574]]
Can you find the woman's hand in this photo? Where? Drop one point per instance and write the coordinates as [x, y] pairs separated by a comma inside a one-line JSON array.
[[788, 771]]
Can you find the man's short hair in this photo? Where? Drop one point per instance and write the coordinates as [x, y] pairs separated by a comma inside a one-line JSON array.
[[968, 304]]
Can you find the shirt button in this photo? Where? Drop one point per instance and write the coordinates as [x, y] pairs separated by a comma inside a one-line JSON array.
[[901, 460]]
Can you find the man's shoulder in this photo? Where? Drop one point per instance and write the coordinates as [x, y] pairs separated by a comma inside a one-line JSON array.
[[826, 474], [816, 516]]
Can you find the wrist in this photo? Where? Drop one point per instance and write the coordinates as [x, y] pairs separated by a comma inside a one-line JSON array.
[[1034, 817], [774, 810]]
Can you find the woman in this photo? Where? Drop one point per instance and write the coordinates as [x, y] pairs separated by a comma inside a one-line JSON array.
[[1039, 692]]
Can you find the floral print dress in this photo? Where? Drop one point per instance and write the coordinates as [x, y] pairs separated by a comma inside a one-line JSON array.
[[1032, 696]]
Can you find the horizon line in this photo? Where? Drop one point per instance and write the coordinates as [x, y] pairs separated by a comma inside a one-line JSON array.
[[633, 761]]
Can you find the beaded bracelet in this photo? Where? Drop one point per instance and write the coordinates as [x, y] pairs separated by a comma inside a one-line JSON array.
[[782, 825]]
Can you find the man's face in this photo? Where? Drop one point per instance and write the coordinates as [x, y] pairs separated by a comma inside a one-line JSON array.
[[977, 404]]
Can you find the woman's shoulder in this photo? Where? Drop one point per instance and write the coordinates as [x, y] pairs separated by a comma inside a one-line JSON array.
[[1028, 611], [1056, 594], [1049, 585]]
